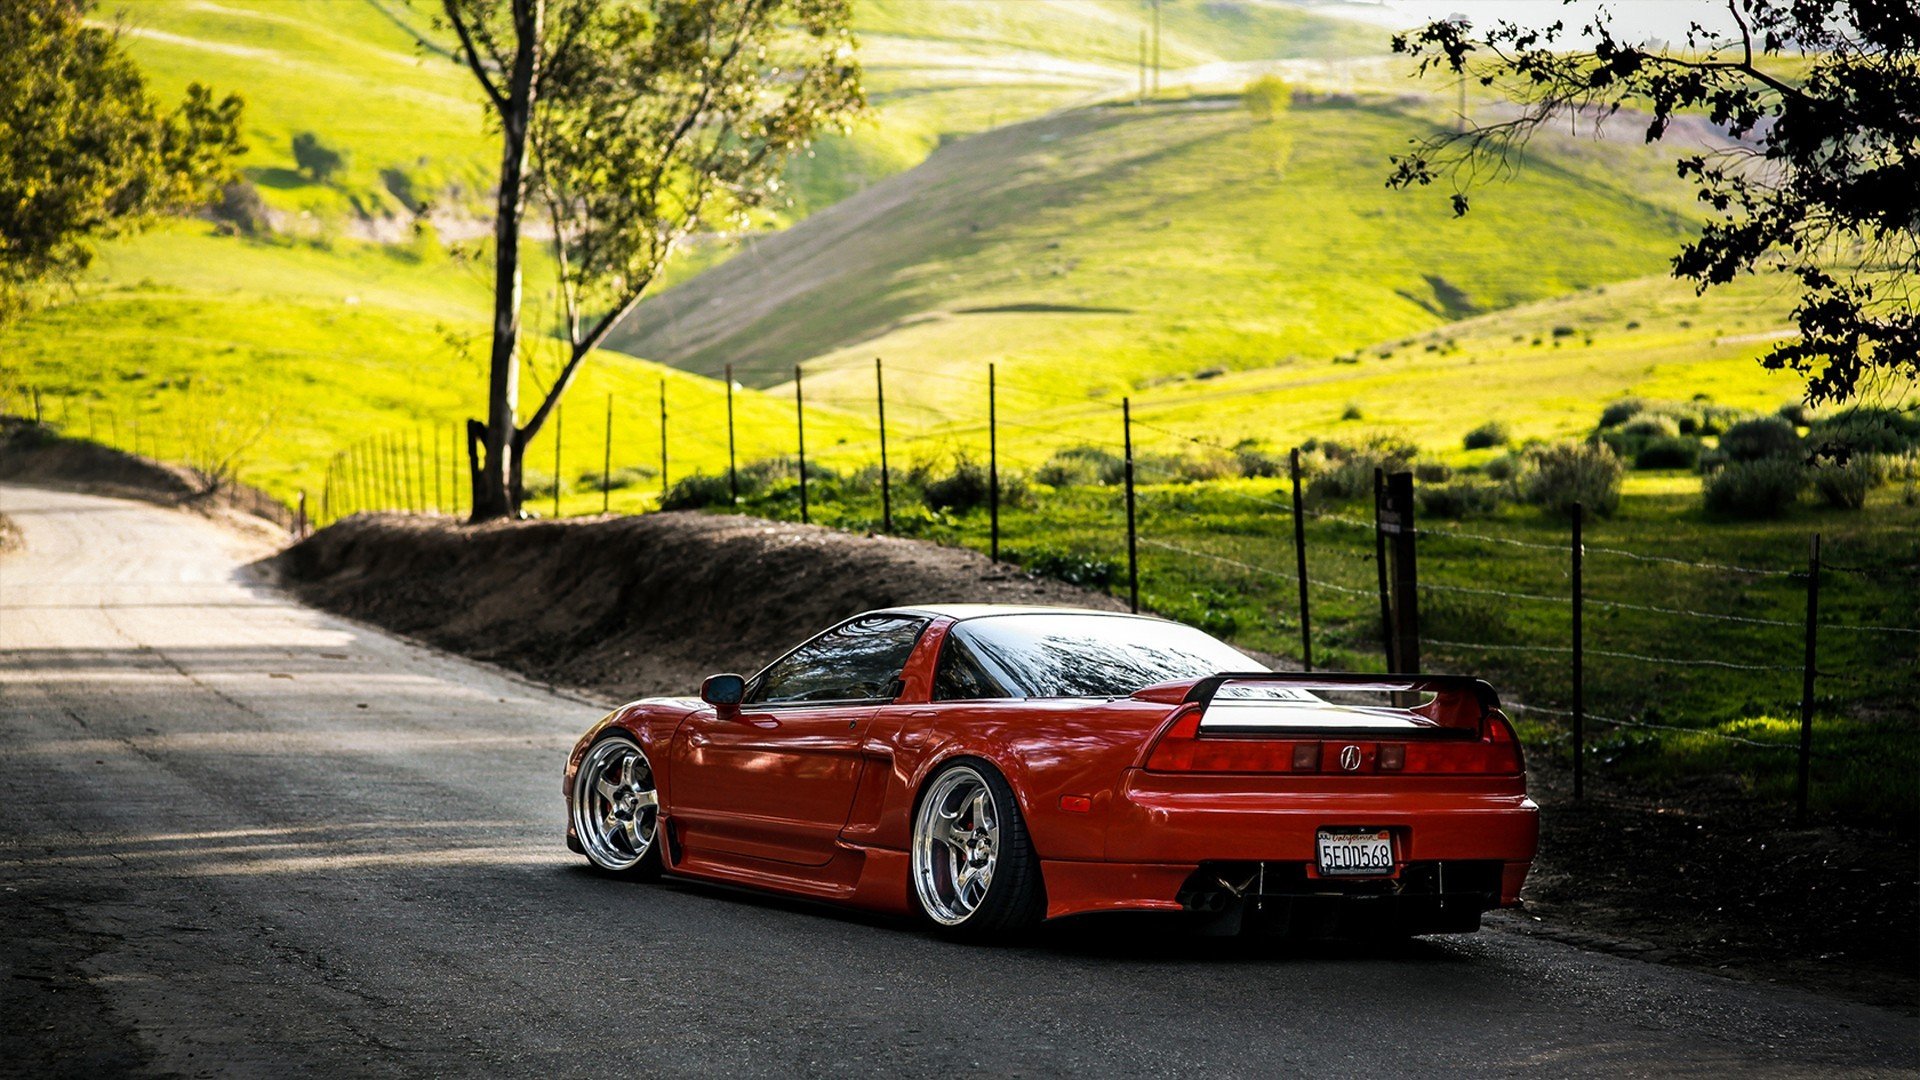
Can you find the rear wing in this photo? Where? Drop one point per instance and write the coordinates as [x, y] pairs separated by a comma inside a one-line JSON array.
[[1292, 703]]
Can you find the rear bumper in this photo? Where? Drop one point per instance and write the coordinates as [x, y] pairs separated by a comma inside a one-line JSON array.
[[1170, 839]]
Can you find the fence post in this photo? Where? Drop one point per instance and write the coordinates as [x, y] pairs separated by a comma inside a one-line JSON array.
[[389, 496], [300, 515], [800, 425], [1579, 655], [1300, 560], [1380, 564], [136, 434], [419, 470], [733, 474], [439, 474], [993, 466], [663, 438], [606, 461], [1133, 553], [37, 418], [886, 481], [1406, 578], [1806, 683], [559, 418]]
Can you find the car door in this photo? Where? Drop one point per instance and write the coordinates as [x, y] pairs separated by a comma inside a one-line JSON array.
[[776, 779]]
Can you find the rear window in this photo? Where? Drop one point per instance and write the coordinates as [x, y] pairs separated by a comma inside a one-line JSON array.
[[1066, 655]]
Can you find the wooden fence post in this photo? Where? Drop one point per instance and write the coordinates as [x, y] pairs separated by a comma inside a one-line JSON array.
[[733, 473], [1806, 683], [1380, 564], [993, 467], [559, 430], [1133, 553], [1300, 560], [1406, 578], [886, 482]]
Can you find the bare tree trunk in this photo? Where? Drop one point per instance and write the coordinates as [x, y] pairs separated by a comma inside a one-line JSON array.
[[496, 489]]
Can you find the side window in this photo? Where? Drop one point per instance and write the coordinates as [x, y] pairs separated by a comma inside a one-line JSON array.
[[960, 677], [857, 661]]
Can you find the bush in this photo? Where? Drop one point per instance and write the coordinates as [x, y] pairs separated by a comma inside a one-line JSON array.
[[1651, 425], [1267, 97], [1669, 452], [1259, 462], [317, 159], [1352, 412], [1081, 466], [625, 476], [1460, 499], [1758, 439], [1491, 433], [969, 487], [1716, 419], [1432, 472], [1865, 431], [1755, 489], [242, 210], [1566, 473], [1087, 571], [1796, 413], [1504, 467], [1845, 484], [1621, 411], [697, 492]]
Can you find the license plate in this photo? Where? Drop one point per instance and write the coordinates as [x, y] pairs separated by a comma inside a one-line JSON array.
[[1363, 853]]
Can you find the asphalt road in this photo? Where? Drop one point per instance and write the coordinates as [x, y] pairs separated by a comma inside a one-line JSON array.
[[243, 837]]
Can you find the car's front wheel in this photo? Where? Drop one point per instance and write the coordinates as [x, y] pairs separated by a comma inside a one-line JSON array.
[[974, 870], [616, 809]]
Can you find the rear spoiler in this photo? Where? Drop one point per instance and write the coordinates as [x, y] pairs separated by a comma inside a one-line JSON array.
[[1459, 701]]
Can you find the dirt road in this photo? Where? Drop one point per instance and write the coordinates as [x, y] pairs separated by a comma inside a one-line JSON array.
[[240, 836]]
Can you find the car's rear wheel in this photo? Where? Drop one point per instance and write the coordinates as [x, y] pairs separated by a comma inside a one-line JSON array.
[[616, 809], [974, 870]]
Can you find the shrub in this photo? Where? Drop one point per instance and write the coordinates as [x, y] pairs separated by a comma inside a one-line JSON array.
[[536, 485], [241, 209], [1504, 467], [1345, 472], [1491, 433], [1845, 484], [968, 487], [1760, 438], [1087, 571], [1669, 452], [1432, 472], [1621, 411], [1865, 431], [1079, 466], [1716, 419], [1651, 425], [316, 158], [1566, 473], [1796, 413], [1352, 412], [1460, 499], [697, 492], [625, 476], [1760, 488], [1266, 98], [1259, 462]]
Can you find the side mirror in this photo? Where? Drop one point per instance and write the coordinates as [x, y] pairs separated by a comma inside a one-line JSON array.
[[724, 691]]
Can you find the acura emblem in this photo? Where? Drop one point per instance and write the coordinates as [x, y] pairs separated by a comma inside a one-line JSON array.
[[1350, 758]]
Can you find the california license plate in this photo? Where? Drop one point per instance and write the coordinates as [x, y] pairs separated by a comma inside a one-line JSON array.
[[1355, 853]]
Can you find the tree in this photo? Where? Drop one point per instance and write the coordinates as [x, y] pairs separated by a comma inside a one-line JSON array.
[[316, 158], [85, 153], [1824, 99], [1267, 98], [636, 123]]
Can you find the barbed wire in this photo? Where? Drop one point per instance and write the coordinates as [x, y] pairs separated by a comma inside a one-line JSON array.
[[1616, 655], [1649, 724]]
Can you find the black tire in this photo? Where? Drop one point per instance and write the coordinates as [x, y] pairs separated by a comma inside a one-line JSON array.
[[1014, 898], [609, 829]]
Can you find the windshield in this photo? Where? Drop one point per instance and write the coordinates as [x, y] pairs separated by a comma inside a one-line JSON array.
[[1054, 655]]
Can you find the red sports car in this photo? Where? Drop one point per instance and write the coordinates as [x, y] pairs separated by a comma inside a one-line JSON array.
[[992, 766]]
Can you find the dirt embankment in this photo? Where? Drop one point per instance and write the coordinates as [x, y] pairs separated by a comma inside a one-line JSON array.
[[34, 454], [631, 606]]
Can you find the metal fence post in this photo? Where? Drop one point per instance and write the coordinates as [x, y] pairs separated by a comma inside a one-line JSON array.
[[993, 466], [1300, 560], [663, 439], [1579, 655], [800, 426], [419, 470], [1806, 683], [886, 482], [439, 474], [606, 461], [1133, 552], [300, 515], [38, 418], [733, 473], [1406, 578], [559, 429]]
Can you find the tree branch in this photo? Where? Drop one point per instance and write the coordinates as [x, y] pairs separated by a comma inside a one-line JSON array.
[[472, 55]]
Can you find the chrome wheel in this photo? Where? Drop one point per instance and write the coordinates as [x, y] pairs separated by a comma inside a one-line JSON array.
[[616, 810], [956, 845]]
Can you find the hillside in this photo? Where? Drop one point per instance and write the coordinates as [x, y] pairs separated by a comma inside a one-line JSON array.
[[1111, 247]]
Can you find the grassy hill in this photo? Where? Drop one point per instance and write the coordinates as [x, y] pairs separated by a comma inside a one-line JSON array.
[[1101, 250]]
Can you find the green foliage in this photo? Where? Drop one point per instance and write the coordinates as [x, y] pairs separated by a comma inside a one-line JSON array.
[[1560, 475], [1668, 452], [1648, 425], [967, 487], [1267, 98], [1763, 437], [697, 492], [1459, 499], [1619, 412], [1866, 430], [316, 158], [1074, 568], [1492, 433], [1079, 466], [1764, 487], [85, 152], [1846, 484]]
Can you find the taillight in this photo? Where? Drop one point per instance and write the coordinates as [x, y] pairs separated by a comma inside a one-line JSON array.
[[1182, 748]]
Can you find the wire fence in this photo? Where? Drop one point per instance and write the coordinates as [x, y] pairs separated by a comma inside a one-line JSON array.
[[1253, 553]]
